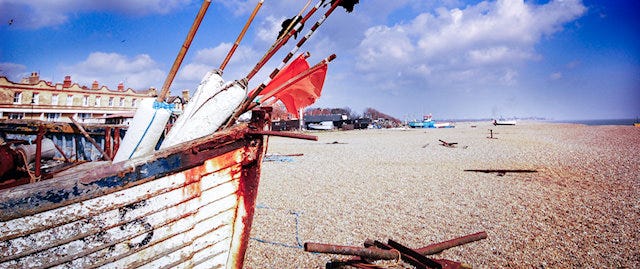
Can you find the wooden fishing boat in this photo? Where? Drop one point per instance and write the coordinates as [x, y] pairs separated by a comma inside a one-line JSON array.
[[504, 122], [187, 205], [190, 205], [324, 125]]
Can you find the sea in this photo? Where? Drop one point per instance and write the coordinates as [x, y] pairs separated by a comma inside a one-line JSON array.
[[600, 122]]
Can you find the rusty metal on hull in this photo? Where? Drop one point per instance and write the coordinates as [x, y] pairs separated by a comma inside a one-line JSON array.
[[191, 205]]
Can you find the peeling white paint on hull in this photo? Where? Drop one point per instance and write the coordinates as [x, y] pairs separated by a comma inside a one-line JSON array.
[[151, 212]]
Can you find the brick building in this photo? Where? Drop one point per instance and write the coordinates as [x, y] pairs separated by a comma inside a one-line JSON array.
[[37, 99]]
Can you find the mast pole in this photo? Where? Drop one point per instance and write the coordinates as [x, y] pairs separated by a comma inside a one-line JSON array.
[[242, 33], [183, 51]]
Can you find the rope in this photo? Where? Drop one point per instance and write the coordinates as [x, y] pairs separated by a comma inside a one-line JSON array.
[[32, 176], [297, 233], [143, 134]]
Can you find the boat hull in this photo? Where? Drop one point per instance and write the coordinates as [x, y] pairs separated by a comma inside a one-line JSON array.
[[188, 206], [324, 126], [504, 122]]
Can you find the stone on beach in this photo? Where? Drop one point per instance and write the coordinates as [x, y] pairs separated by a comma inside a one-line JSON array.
[[579, 209]]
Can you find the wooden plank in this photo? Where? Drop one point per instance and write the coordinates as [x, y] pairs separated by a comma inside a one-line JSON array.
[[121, 216], [137, 233], [79, 235], [80, 185], [173, 208]]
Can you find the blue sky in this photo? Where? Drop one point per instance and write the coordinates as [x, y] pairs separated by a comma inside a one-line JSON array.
[[560, 59]]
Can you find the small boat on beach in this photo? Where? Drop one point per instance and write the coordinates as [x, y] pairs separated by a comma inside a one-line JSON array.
[[324, 125], [444, 125], [428, 122], [504, 122]]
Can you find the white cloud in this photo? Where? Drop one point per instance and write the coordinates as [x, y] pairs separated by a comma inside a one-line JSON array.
[[138, 73], [193, 72], [237, 7], [385, 44], [13, 71], [208, 59], [478, 41], [268, 30], [555, 76]]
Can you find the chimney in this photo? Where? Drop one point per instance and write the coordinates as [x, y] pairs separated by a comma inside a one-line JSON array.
[[95, 85], [152, 92], [120, 87], [34, 78], [185, 96], [67, 82]]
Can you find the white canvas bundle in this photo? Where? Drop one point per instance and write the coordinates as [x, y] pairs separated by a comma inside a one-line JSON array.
[[145, 130], [212, 104], [210, 85]]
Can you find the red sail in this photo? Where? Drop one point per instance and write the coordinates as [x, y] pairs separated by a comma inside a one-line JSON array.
[[300, 90], [296, 67]]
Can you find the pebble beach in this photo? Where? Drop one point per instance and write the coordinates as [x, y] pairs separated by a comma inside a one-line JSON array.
[[578, 209]]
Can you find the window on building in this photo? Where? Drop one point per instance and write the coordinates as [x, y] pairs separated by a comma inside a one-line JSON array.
[[17, 97], [70, 100], [97, 101], [16, 116], [52, 116], [134, 102], [84, 116], [85, 100], [121, 101], [54, 99], [36, 98], [110, 101]]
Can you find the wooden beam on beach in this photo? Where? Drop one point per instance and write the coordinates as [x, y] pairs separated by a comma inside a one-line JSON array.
[[491, 134], [447, 144], [369, 251], [501, 172]]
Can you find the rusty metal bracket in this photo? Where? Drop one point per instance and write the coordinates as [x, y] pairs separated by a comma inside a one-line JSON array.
[[387, 252], [410, 256], [415, 256]]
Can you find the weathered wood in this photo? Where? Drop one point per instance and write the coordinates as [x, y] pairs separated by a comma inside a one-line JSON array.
[[174, 208], [39, 137], [447, 144], [382, 254], [501, 172], [32, 126], [88, 137]]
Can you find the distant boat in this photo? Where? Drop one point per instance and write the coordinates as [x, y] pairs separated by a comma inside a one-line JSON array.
[[504, 122], [444, 125], [428, 122], [324, 125]]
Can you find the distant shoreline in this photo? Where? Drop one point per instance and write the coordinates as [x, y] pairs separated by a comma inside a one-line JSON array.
[[624, 122], [591, 122]]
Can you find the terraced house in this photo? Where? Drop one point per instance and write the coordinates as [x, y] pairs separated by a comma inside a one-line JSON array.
[[37, 99]]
